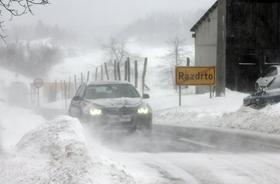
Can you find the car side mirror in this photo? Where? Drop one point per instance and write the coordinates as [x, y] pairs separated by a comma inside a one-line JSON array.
[[146, 96], [76, 98]]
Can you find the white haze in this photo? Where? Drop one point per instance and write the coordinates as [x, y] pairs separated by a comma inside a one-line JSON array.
[[89, 16]]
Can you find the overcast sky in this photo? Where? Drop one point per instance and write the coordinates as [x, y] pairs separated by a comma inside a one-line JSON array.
[[101, 13]]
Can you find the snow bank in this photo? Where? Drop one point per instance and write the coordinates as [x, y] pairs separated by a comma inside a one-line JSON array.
[[194, 107], [61, 149], [16, 122], [226, 112], [266, 120]]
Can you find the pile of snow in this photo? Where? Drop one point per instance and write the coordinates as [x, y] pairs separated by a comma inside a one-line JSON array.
[[226, 112], [57, 152], [16, 122], [194, 107], [265, 120]]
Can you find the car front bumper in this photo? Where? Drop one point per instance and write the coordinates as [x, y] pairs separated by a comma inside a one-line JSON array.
[[121, 121], [261, 100]]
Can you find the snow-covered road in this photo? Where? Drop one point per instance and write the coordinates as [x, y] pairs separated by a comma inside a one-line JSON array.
[[65, 151], [191, 155], [216, 156]]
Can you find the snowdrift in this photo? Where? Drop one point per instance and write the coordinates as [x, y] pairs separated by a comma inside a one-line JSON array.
[[225, 112], [15, 122], [61, 150], [266, 120]]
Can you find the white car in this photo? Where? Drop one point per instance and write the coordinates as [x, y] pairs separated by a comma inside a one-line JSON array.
[[112, 104], [268, 89], [271, 75]]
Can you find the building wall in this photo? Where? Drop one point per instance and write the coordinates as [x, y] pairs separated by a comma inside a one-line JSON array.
[[253, 36], [206, 45]]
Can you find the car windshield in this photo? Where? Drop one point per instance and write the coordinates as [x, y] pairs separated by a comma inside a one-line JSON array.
[[275, 84], [111, 91], [270, 72]]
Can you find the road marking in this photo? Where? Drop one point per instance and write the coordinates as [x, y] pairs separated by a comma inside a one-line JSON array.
[[196, 143]]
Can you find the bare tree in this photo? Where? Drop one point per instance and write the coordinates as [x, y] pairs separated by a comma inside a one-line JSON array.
[[116, 50], [14, 8], [176, 54], [176, 50]]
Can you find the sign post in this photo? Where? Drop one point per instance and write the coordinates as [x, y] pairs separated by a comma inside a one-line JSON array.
[[180, 95], [38, 83], [195, 76]]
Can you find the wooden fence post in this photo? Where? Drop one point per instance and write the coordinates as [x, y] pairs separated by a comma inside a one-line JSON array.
[[106, 71], [55, 90], [125, 70], [119, 71], [144, 75], [101, 72], [75, 82], [96, 73], [88, 73], [115, 70], [61, 89], [65, 93], [92, 75], [188, 62], [136, 73], [128, 69], [69, 88], [82, 78]]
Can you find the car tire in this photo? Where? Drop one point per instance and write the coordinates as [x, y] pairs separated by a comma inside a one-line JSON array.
[[76, 114], [257, 106]]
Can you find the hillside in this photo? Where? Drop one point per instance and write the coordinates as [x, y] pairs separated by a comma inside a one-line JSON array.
[[158, 28]]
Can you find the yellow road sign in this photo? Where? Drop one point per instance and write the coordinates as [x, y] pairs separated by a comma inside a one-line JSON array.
[[196, 75]]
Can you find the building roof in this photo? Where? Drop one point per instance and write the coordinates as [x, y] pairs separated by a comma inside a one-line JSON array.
[[210, 10]]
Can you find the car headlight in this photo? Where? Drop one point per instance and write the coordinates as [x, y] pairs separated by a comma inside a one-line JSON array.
[[95, 111], [143, 110]]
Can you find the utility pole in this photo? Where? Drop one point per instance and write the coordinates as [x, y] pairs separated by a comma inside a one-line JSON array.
[[136, 74], [221, 49], [144, 75]]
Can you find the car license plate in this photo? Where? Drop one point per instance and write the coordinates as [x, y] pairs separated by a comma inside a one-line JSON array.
[[116, 119], [125, 118]]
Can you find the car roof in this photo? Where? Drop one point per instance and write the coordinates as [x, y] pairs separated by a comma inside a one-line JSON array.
[[277, 66], [106, 82]]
